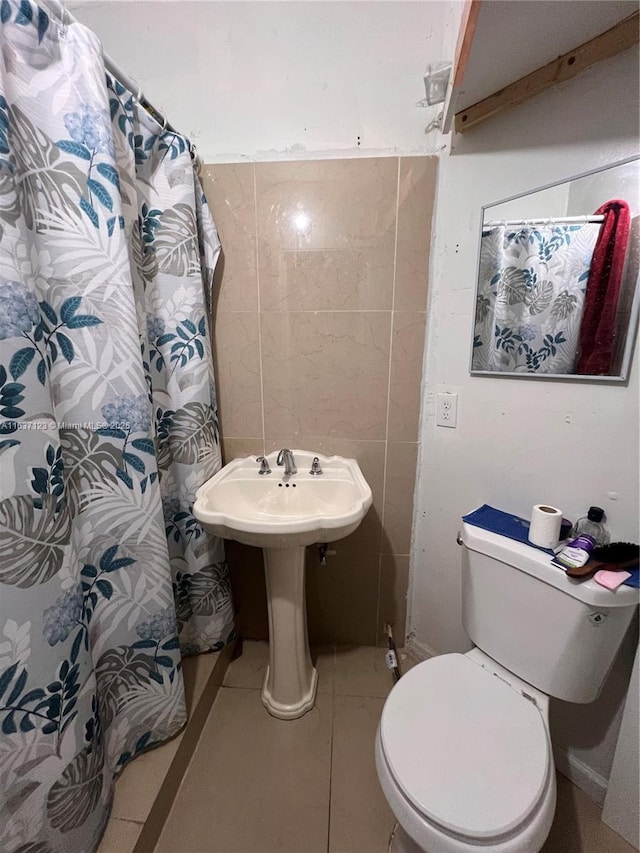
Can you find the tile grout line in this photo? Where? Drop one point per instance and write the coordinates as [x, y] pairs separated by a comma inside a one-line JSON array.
[[165, 798], [386, 431], [393, 306], [255, 214], [333, 710]]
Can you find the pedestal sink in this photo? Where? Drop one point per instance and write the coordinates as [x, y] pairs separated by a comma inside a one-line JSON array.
[[282, 514]]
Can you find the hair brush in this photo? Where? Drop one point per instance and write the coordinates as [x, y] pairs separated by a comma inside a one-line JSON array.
[[615, 557], [616, 552]]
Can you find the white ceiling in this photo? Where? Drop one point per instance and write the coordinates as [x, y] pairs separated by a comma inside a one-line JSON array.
[[514, 37]]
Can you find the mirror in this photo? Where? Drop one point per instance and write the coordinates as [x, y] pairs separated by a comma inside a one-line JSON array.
[[557, 292]]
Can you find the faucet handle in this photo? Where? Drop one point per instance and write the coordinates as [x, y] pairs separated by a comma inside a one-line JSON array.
[[315, 466], [264, 465]]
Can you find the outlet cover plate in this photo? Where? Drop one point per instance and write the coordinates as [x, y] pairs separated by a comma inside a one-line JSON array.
[[447, 410]]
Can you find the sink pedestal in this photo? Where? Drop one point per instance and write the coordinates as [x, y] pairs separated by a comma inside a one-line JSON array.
[[290, 684]]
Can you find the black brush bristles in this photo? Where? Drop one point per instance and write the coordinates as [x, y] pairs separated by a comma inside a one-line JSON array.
[[616, 552]]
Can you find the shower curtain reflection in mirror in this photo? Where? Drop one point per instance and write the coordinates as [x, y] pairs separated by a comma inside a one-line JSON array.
[[557, 289], [530, 297]]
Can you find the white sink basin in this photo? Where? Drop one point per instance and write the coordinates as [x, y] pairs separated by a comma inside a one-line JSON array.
[[278, 511], [282, 514]]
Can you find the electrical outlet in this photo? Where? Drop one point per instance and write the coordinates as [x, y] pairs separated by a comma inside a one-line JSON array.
[[447, 410]]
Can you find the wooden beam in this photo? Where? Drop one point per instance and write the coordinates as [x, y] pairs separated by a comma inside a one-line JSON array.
[[468, 24], [466, 33], [619, 38]]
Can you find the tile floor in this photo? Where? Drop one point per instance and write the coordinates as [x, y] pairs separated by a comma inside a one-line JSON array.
[[139, 783], [260, 785]]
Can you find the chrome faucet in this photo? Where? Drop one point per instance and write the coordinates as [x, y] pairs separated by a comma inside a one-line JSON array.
[[285, 457]]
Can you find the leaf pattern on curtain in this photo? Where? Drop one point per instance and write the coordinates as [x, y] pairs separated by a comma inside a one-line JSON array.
[[108, 426], [530, 297]]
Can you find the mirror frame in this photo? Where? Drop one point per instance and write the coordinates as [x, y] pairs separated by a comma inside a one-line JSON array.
[[632, 332]]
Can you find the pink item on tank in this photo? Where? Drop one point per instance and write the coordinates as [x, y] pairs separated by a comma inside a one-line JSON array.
[[612, 580]]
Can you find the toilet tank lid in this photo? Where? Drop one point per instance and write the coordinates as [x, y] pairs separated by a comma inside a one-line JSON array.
[[538, 564]]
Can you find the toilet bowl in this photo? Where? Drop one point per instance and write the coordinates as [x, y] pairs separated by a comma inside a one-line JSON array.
[[463, 749], [464, 758]]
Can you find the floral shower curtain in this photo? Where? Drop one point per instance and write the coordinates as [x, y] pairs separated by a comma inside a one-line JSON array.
[[107, 428], [530, 298]]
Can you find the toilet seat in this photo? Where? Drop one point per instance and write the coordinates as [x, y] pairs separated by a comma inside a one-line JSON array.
[[467, 751]]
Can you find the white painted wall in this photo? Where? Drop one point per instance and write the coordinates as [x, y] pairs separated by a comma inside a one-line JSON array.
[[520, 442], [270, 80]]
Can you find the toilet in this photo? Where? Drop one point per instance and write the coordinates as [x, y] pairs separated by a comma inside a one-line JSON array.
[[463, 751]]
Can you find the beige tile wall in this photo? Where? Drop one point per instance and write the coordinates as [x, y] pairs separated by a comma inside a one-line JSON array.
[[319, 334]]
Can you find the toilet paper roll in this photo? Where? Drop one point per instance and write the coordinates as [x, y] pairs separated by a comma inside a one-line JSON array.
[[544, 530]]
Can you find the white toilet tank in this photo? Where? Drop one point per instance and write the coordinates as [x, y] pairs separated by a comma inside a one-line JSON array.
[[558, 634]]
